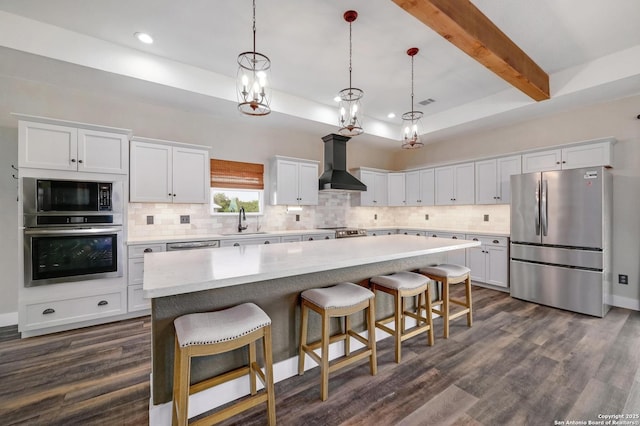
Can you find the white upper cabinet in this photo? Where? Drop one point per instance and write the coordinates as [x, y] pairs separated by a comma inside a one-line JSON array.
[[168, 172], [63, 147], [573, 157], [377, 189], [420, 187], [294, 182], [396, 188], [454, 185], [493, 179]]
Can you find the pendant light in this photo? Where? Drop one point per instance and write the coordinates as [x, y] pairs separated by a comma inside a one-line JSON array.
[[254, 94], [411, 124], [350, 111]]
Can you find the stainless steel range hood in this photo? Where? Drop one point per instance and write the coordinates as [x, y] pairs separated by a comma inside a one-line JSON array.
[[335, 176]]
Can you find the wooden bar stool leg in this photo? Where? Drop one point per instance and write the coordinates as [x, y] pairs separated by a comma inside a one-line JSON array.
[[347, 338], [445, 306], [183, 378], [469, 304], [371, 332], [304, 313], [269, 385], [429, 315], [324, 366], [399, 320], [252, 372]]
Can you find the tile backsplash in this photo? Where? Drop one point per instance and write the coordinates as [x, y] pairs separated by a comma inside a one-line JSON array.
[[333, 209]]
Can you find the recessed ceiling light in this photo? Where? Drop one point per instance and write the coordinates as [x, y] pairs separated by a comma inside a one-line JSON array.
[[391, 115], [144, 38]]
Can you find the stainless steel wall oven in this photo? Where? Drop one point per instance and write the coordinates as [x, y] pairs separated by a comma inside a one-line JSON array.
[[73, 231]]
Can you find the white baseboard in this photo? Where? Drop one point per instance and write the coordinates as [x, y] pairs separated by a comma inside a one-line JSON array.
[[623, 302], [10, 318], [160, 415]]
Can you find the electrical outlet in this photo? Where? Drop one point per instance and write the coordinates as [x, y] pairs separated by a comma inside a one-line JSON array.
[[149, 220], [426, 217], [185, 218], [297, 218], [623, 279], [375, 216], [486, 218]]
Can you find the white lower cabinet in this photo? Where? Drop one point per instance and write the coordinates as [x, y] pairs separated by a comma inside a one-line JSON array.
[[73, 309], [135, 299], [412, 232], [249, 241], [375, 233], [317, 237], [489, 263], [291, 239]]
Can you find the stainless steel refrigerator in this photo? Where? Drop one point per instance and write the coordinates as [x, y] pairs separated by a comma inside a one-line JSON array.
[[561, 239]]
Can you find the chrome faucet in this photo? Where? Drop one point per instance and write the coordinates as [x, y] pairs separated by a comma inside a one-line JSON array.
[[242, 216]]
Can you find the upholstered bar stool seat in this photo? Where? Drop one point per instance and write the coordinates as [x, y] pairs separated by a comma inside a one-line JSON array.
[[211, 333], [402, 285], [450, 274], [341, 300]]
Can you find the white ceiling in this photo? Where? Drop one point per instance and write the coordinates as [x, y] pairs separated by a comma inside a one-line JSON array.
[[590, 49]]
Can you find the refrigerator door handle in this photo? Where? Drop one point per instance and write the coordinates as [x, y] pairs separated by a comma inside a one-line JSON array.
[[543, 213], [537, 209]]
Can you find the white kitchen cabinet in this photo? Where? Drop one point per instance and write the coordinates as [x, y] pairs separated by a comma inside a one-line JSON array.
[[135, 298], [418, 232], [597, 153], [291, 239], [294, 181], [420, 187], [375, 233], [318, 237], [249, 241], [489, 263], [456, 257], [65, 147], [168, 172], [454, 185], [396, 189], [377, 188], [493, 179]]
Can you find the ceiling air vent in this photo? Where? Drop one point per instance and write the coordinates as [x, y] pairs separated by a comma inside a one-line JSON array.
[[427, 101]]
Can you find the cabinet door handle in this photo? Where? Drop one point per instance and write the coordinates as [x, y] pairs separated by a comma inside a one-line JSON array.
[[564, 162], [73, 160], [103, 303], [148, 250], [48, 311], [557, 162], [79, 161], [236, 244]]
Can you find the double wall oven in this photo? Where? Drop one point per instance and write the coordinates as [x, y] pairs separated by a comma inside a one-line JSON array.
[[73, 230]]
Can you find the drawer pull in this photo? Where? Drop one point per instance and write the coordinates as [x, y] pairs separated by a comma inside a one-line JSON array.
[[48, 311], [148, 250], [267, 242], [475, 239], [454, 237], [310, 239], [496, 242], [236, 244], [103, 303], [327, 237]]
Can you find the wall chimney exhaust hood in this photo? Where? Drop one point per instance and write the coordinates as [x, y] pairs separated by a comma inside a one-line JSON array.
[[335, 176]]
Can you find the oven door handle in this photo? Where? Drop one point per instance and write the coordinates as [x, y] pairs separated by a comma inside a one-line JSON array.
[[72, 231]]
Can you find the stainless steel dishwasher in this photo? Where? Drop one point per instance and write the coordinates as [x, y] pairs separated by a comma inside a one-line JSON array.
[[192, 245]]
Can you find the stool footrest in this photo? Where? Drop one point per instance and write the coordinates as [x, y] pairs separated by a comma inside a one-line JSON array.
[[343, 361], [458, 302], [214, 381], [228, 412]]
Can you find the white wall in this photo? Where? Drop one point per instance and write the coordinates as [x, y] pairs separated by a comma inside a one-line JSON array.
[[8, 227], [617, 119]]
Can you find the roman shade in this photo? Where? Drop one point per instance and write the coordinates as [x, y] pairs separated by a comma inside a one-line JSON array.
[[236, 174]]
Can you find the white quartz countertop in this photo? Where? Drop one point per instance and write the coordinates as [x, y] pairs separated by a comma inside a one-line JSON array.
[[229, 236], [180, 272]]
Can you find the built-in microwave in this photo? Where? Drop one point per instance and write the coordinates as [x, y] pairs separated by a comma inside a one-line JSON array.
[[49, 202]]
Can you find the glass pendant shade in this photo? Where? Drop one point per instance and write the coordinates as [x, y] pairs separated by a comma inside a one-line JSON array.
[[412, 120], [350, 110], [252, 82]]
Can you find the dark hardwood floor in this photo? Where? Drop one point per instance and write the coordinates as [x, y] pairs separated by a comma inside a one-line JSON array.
[[520, 364]]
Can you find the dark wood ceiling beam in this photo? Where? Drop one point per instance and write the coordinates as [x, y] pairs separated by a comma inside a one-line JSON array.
[[464, 25]]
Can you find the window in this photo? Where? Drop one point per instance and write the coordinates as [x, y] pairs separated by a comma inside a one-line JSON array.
[[236, 185]]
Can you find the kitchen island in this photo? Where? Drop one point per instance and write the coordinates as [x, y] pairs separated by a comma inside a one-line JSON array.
[[272, 276]]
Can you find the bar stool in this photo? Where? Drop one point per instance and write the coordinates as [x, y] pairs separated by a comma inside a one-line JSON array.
[[402, 285], [211, 333], [450, 274], [341, 300]]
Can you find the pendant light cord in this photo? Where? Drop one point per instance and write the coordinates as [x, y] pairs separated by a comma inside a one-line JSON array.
[[254, 27], [350, 44], [412, 86]]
